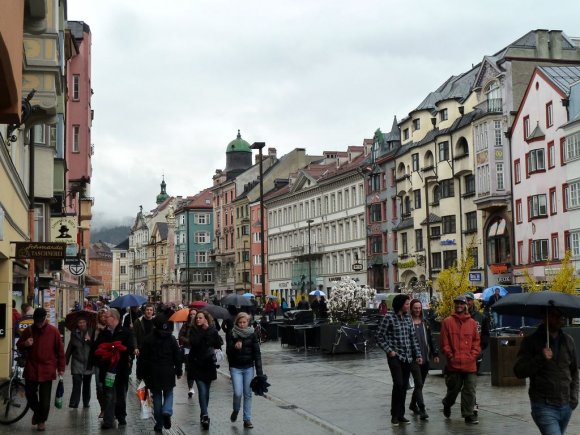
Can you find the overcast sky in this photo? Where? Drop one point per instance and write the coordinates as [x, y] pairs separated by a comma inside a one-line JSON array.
[[173, 81]]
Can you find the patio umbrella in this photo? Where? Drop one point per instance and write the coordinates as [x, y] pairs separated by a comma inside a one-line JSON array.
[[180, 315], [317, 293], [217, 312], [248, 295], [236, 300], [198, 304], [535, 304], [129, 300], [71, 319], [490, 291]]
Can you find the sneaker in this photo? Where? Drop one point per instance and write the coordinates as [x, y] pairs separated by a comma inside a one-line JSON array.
[[191, 392], [234, 416], [248, 424], [205, 422], [472, 419], [166, 421], [403, 420], [414, 408], [395, 421], [446, 411]]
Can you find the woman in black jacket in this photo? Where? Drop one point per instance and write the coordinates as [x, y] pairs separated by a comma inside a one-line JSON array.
[[158, 364], [243, 350], [203, 342]]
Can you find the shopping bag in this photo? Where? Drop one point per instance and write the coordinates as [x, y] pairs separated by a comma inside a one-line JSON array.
[[218, 356], [147, 406], [142, 391], [411, 383], [58, 397]]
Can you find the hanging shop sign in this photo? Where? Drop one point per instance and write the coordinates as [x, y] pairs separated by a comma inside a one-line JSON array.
[[40, 250], [63, 229]]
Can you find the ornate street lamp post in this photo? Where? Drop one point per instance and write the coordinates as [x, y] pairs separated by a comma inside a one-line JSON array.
[[259, 146]]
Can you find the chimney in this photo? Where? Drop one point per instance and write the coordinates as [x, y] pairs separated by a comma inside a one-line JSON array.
[[272, 152], [542, 44], [555, 44]]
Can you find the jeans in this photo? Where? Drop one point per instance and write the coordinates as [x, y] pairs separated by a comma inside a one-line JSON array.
[[241, 379], [551, 419], [80, 382], [38, 397], [400, 372], [162, 404], [203, 395], [115, 402], [461, 382], [419, 373]]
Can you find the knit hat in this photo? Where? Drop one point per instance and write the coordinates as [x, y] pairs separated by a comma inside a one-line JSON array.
[[398, 302], [161, 322], [39, 314]]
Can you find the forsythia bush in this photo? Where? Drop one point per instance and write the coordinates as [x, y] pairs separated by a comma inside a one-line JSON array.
[[451, 283], [565, 280]]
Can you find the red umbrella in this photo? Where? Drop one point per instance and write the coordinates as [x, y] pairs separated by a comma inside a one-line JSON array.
[[198, 304], [72, 319]]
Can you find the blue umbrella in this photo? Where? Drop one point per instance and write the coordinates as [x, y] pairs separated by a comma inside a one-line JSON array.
[[490, 291], [248, 295], [129, 300]]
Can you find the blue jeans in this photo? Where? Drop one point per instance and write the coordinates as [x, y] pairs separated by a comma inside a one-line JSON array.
[[162, 404], [551, 419], [241, 379], [203, 395]]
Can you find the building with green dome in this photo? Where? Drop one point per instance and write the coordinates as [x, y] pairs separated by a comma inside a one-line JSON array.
[[163, 194], [238, 157]]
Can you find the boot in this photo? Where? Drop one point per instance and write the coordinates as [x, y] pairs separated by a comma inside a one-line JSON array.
[[413, 407], [205, 422], [422, 413]]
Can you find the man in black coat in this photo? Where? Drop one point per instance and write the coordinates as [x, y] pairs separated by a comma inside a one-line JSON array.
[[115, 395]]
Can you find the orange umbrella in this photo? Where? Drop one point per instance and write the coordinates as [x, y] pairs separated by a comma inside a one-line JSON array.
[[180, 316]]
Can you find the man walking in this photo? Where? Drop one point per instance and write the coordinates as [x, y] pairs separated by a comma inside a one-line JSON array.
[[553, 372], [460, 344], [143, 326], [44, 358], [396, 336], [482, 325]]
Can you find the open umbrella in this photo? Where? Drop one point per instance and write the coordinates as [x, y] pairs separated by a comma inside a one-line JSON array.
[[180, 315], [490, 291], [71, 319], [317, 293], [248, 295], [236, 300], [130, 300], [382, 296], [217, 312], [198, 304], [535, 304]]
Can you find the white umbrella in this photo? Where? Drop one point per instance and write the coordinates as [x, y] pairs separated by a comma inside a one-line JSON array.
[[317, 293]]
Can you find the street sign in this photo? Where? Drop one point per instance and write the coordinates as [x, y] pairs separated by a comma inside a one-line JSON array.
[[72, 261], [78, 269]]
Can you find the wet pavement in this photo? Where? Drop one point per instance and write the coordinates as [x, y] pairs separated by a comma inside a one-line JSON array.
[[313, 394]]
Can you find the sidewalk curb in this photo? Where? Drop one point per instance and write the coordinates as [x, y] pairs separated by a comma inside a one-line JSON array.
[[296, 409]]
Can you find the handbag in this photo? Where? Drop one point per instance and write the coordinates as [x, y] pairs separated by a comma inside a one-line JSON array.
[[218, 356]]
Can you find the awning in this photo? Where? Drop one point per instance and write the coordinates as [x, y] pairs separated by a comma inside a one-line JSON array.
[[91, 280]]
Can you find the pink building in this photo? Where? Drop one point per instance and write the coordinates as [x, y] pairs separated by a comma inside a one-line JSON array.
[[541, 217], [257, 262]]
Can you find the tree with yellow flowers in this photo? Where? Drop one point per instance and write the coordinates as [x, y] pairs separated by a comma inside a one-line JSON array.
[[453, 282], [565, 280]]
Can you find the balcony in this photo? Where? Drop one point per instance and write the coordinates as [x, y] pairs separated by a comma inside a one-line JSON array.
[[462, 165], [491, 105]]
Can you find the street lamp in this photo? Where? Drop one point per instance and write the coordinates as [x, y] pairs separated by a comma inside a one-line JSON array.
[[259, 146], [309, 221]]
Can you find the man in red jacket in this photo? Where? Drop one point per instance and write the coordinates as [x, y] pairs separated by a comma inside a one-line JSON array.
[[44, 351], [460, 344]]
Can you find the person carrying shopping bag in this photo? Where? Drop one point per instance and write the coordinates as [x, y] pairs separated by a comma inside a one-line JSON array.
[[77, 356], [204, 340], [184, 343], [243, 351], [159, 362]]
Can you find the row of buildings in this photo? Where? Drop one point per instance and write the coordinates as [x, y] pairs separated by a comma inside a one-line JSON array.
[[484, 165], [45, 160]]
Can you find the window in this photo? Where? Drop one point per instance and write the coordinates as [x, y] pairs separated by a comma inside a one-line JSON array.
[[474, 253], [375, 182], [76, 87], [393, 177], [573, 195], [417, 199], [406, 134], [535, 161], [517, 167], [376, 245], [449, 259], [574, 243], [499, 176], [526, 125], [518, 211], [469, 184], [498, 134], [415, 162], [39, 223], [76, 138], [447, 189], [549, 115], [201, 257], [553, 201], [404, 244], [245, 230], [418, 240], [520, 252], [539, 250], [52, 136], [443, 151], [207, 276], [448, 224], [436, 195], [394, 207], [202, 237], [551, 155], [375, 212], [443, 115], [483, 180], [572, 147], [555, 246], [416, 124], [123, 270], [435, 232], [471, 221], [39, 134], [436, 260], [537, 206]]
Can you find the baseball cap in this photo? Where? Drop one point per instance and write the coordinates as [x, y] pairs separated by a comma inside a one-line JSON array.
[[469, 295], [39, 314], [461, 299]]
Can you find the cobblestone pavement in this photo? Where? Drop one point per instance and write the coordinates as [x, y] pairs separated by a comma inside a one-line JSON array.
[[313, 394]]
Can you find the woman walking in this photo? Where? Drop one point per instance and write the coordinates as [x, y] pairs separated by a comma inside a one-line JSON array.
[[243, 350], [77, 356], [184, 343], [428, 350], [158, 364], [101, 325], [203, 342]]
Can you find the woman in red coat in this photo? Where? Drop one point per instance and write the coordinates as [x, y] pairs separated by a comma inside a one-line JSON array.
[[44, 351]]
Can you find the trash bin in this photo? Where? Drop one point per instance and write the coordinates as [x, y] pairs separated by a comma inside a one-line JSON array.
[[503, 353]]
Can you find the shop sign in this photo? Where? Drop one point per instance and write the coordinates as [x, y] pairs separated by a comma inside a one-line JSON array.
[[447, 242], [63, 229], [40, 250], [357, 267], [498, 268], [475, 276]]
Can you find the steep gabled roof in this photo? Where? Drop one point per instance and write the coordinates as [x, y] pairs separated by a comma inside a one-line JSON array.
[[562, 76]]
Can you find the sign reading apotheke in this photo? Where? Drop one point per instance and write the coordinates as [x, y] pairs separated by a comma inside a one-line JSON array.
[[63, 229]]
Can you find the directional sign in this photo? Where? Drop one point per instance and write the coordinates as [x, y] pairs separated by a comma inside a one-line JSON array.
[[78, 269]]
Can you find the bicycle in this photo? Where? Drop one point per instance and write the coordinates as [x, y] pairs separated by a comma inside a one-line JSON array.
[[261, 333], [13, 403], [363, 340]]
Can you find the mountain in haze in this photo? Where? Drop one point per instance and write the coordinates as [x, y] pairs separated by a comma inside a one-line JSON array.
[[113, 235]]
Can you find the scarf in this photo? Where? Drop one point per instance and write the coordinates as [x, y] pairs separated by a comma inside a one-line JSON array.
[[237, 332]]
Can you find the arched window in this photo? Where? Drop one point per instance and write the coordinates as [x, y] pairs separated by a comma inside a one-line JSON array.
[[436, 194], [498, 246], [493, 96]]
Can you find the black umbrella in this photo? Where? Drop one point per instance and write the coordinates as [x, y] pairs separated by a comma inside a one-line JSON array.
[[260, 385], [236, 300], [217, 312]]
